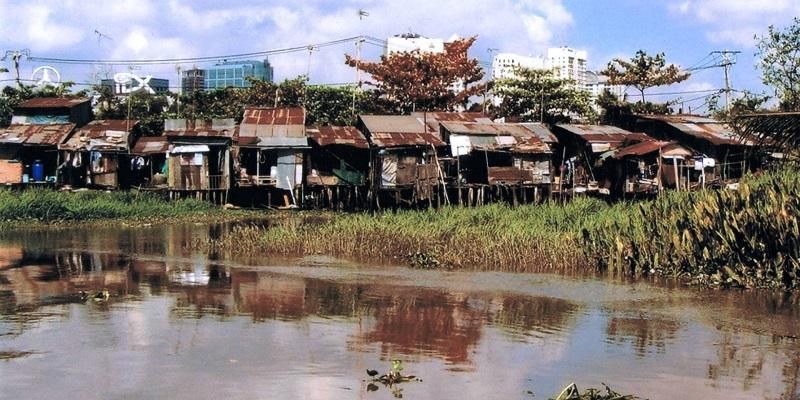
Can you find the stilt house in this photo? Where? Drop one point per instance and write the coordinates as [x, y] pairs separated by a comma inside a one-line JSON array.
[[98, 154]]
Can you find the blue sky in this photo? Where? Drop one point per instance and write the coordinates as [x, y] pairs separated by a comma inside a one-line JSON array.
[[686, 30]]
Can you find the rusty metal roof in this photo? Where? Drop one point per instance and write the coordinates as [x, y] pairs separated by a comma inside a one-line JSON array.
[[109, 135], [709, 129], [399, 131], [147, 145], [642, 148], [52, 102], [603, 133], [542, 131], [36, 135], [509, 137], [273, 122], [191, 127], [433, 119], [344, 135]]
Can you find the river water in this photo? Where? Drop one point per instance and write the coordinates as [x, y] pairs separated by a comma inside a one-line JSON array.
[[196, 326]]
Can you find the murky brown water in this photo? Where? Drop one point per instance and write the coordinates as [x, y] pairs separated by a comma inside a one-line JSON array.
[[188, 326]]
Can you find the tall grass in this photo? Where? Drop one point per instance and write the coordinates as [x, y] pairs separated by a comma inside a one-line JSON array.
[[747, 237], [52, 206]]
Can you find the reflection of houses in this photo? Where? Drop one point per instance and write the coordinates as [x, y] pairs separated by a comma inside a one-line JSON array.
[[647, 167], [584, 148], [149, 165], [29, 147], [98, 154], [199, 160], [721, 154], [500, 156], [339, 162], [405, 166], [271, 144]]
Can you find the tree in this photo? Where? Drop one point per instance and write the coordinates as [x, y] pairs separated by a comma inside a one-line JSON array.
[[643, 72], [747, 103], [417, 81], [537, 95], [780, 63], [149, 109]]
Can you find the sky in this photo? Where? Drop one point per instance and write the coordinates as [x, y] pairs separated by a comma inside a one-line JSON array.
[[686, 30]]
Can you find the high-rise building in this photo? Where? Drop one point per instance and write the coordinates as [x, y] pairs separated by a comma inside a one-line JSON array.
[[125, 84], [568, 63], [233, 73], [505, 64], [192, 80]]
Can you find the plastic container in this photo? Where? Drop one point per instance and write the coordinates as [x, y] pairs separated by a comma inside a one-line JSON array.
[[37, 171]]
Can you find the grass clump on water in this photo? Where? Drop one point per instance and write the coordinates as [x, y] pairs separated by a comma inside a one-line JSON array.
[[48, 206]]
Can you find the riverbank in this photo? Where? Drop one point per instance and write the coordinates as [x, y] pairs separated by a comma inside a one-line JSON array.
[[746, 237], [47, 208]]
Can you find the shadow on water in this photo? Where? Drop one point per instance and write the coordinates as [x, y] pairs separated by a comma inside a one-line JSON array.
[[451, 326]]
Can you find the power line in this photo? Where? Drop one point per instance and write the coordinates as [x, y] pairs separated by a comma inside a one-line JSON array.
[[303, 48]]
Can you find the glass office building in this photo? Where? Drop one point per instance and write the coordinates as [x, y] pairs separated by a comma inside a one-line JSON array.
[[233, 73]]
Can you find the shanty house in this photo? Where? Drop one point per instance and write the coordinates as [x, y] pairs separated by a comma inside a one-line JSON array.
[[721, 153], [270, 149], [583, 150], [149, 162], [98, 154], [648, 167], [53, 110], [199, 158], [404, 156], [338, 165], [29, 153]]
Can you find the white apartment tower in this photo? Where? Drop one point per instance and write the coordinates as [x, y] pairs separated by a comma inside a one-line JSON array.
[[504, 64], [568, 63], [413, 41]]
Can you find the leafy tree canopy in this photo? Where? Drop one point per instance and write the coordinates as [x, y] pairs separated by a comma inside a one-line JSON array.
[[643, 71], [409, 81], [537, 95], [780, 63]]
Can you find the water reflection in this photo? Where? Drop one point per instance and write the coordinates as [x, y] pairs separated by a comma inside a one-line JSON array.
[[480, 334]]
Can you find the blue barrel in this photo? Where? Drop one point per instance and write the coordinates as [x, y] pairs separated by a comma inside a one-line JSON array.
[[37, 171]]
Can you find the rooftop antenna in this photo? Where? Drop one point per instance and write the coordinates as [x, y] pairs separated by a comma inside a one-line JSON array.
[[362, 13], [101, 36]]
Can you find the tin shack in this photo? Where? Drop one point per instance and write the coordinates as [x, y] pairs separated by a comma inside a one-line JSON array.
[[507, 159], [404, 159], [199, 158], [29, 153], [584, 148], [338, 167], [149, 166], [97, 155], [270, 150], [721, 154], [649, 167]]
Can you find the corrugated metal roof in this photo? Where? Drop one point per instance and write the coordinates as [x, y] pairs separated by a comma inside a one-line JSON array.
[[273, 122], [36, 135], [399, 131], [640, 149], [603, 133], [147, 145], [478, 117], [509, 137], [191, 127], [542, 131], [344, 135], [51, 102], [711, 130], [273, 142], [109, 134]]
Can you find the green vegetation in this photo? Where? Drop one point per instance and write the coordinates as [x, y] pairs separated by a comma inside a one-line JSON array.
[[742, 238], [48, 206]]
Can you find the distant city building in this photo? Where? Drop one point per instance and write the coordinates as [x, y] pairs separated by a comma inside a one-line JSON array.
[[412, 41], [233, 74], [504, 64], [192, 80], [597, 84], [125, 83], [568, 63]]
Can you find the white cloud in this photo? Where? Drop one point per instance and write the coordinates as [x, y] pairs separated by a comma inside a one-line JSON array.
[[36, 26], [737, 21]]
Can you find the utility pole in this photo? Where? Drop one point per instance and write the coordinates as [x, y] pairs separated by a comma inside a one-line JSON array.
[[728, 59], [358, 72], [16, 55]]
